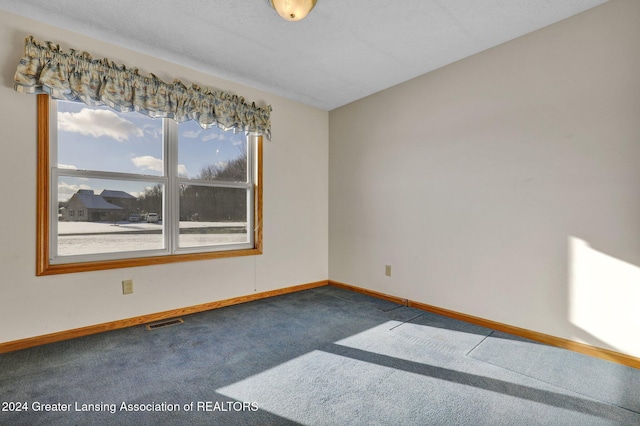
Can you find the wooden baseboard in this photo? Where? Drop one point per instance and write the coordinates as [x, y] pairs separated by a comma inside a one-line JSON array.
[[594, 351], [387, 297], [582, 348], [144, 319]]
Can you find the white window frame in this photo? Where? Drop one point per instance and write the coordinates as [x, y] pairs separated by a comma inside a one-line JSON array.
[[48, 262]]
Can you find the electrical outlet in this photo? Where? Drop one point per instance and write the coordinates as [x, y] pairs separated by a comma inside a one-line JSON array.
[[127, 286], [387, 270]]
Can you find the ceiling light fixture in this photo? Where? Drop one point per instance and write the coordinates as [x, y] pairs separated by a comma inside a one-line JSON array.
[[293, 10]]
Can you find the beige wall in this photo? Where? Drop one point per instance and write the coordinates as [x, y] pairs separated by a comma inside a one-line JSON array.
[[295, 209], [506, 185], [503, 186]]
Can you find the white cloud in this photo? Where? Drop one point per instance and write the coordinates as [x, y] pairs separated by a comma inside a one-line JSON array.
[[211, 137], [191, 133], [67, 166], [98, 122], [147, 162], [153, 131], [65, 190], [182, 170]]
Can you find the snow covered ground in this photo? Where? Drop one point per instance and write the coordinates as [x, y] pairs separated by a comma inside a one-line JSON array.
[[74, 228], [79, 238]]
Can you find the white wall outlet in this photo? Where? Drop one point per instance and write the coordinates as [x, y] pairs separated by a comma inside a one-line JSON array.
[[387, 270], [127, 286]]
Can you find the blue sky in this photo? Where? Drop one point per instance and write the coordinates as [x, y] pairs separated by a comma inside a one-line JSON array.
[[101, 139]]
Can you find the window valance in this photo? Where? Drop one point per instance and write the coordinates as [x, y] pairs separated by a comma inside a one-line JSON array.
[[75, 75]]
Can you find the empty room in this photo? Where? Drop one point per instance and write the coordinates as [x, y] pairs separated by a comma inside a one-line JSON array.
[[320, 212]]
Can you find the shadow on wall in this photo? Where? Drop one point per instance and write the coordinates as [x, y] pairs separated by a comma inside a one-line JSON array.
[[604, 297]]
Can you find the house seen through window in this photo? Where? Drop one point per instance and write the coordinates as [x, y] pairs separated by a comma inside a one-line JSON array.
[[128, 186]]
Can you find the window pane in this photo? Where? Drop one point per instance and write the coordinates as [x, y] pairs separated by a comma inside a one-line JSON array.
[[97, 138], [211, 154], [107, 216], [212, 216]]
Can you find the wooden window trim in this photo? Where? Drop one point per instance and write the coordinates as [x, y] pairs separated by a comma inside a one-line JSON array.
[[44, 267]]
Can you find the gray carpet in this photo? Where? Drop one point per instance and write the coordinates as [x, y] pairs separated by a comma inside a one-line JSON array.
[[615, 384], [325, 356]]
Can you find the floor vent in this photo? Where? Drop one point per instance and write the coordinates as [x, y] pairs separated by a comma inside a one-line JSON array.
[[162, 324]]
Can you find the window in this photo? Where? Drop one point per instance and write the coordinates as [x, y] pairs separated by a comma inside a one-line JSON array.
[[144, 191]]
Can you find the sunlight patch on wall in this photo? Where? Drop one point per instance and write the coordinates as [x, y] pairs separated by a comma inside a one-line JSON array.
[[604, 296]]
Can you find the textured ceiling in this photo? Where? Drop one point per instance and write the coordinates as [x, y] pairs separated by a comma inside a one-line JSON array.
[[343, 51]]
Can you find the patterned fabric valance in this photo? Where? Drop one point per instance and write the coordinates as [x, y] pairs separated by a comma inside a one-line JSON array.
[[75, 75]]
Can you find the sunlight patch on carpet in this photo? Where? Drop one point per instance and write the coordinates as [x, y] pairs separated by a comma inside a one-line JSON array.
[[326, 388], [414, 342], [605, 381]]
